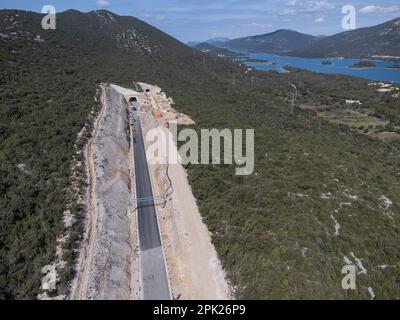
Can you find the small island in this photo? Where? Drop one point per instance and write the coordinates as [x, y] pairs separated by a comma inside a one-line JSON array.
[[326, 62], [363, 64], [256, 60], [395, 66]]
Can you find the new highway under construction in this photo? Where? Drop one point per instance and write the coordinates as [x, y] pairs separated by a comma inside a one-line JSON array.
[[154, 281], [144, 235]]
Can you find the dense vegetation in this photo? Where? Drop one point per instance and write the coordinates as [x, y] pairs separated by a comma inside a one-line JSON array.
[[273, 230]]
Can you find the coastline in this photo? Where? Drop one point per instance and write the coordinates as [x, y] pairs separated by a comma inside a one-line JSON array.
[[381, 71]]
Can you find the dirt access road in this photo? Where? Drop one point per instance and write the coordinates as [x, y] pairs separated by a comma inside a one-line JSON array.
[[103, 269], [80, 284]]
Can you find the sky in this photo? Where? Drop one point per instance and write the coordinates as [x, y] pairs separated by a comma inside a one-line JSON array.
[[199, 20]]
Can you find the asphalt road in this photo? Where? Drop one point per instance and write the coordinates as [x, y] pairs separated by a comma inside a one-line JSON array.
[[152, 265]]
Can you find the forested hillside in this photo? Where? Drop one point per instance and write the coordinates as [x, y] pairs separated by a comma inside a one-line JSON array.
[[275, 231]]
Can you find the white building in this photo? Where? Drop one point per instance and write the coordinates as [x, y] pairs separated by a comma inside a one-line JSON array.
[[348, 101]]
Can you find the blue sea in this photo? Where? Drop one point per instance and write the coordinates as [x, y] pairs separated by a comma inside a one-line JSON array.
[[338, 66]]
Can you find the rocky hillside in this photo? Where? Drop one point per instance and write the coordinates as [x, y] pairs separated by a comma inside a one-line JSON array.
[[128, 34]]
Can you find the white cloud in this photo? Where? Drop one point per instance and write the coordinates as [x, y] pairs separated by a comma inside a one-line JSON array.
[[380, 10], [317, 6], [103, 3], [319, 20], [256, 24], [305, 7], [287, 12], [291, 3]]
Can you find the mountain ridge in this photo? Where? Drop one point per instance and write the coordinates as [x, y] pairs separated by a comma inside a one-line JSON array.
[[368, 42], [282, 40], [379, 40]]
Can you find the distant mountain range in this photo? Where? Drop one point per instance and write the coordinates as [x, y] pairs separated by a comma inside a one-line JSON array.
[[218, 41], [214, 41], [193, 43], [212, 49], [277, 41], [372, 42]]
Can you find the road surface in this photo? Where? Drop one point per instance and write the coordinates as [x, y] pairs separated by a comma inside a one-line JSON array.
[[154, 283]]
